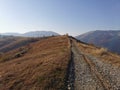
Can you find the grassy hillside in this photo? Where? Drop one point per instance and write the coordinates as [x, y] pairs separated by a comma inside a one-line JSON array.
[[38, 66], [100, 52]]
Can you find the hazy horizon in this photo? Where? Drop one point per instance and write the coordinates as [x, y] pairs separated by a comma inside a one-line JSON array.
[[63, 16]]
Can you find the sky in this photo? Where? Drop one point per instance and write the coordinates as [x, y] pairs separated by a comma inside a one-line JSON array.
[[62, 16]]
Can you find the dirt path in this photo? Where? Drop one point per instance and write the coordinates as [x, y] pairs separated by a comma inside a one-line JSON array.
[[89, 73], [83, 74], [110, 73], [85, 79]]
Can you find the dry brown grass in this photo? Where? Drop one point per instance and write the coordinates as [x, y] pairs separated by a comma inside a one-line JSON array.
[[102, 53], [42, 67]]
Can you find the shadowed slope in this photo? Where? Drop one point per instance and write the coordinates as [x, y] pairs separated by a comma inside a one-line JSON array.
[[9, 43]]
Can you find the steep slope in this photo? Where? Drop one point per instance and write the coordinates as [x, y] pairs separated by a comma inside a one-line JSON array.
[[107, 39], [38, 66]]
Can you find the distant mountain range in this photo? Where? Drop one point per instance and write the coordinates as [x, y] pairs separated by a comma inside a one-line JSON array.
[[33, 34], [108, 39]]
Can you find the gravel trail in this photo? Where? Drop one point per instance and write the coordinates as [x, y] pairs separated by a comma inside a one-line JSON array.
[[85, 79], [110, 72], [87, 72]]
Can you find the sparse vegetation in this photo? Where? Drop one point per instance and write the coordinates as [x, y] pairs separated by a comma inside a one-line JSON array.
[[102, 53]]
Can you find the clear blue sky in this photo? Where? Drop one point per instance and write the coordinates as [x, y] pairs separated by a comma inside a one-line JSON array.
[[62, 16]]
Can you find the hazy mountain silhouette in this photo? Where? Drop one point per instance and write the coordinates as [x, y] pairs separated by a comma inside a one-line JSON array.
[[33, 34], [108, 39]]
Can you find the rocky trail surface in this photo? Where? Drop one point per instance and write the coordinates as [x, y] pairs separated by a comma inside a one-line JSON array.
[[89, 73]]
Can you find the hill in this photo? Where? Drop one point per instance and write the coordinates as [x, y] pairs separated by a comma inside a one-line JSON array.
[[107, 39], [33, 34], [59, 63], [40, 65]]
